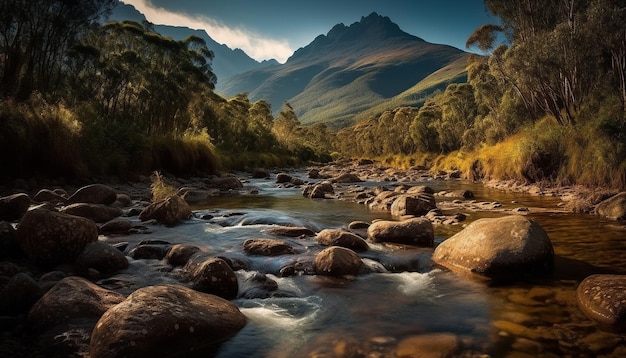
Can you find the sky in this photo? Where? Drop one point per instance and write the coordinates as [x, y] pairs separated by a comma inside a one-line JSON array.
[[274, 29]]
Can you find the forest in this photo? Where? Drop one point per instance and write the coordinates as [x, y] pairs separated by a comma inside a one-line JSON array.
[[545, 101]]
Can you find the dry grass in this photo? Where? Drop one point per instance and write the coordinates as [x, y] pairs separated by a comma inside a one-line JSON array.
[[160, 189]]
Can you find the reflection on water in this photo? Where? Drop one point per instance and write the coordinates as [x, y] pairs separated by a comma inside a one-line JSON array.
[[536, 318]]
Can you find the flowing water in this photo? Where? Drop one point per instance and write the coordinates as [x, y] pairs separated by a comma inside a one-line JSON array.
[[374, 312]]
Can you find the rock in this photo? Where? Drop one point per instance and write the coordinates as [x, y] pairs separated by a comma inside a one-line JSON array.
[[319, 191], [337, 261], [48, 196], [94, 194], [179, 254], [267, 247], [417, 231], [283, 178], [413, 205], [49, 279], [291, 231], [613, 207], [116, 227], [226, 183], [165, 321], [419, 189], [258, 286], [99, 213], [19, 294], [72, 299], [150, 250], [296, 181], [102, 257], [211, 275], [602, 297], [51, 238], [343, 238], [9, 246], [199, 196], [358, 225], [13, 207], [347, 178], [260, 173], [122, 201], [383, 200], [498, 249], [436, 345], [314, 174], [169, 211]]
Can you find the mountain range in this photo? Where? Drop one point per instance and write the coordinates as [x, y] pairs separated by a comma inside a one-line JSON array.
[[350, 74]]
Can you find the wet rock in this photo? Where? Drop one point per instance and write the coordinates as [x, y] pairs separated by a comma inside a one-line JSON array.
[[260, 173], [383, 200], [413, 205], [358, 225], [419, 189], [102, 257], [169, 211], [602, 298], [283, 178], [50, 238], [99, 213], [347, 178], [13, 207], [19, 294], [49, 279], [258, 286], [94, 194], [198, 196], [179, 254], [122, 201], [9, 246], [434, 345], [267, 247], [343, 238], [291, 231], [72, 299], [211, 275], [226, 183], [319, 191], [613, 207], [601, 342], [499, 249], [150, 250], [116, 227], [337, 261], [165, 321], [417, 231], [49, 196]]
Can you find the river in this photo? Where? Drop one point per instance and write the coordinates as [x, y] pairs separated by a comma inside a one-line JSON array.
[[372, 314]]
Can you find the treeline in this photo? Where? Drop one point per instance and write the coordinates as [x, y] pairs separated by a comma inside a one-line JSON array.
[[546, 101], [80, 96]]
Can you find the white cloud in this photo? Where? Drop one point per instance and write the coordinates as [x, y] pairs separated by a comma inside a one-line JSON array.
[[256, 46]]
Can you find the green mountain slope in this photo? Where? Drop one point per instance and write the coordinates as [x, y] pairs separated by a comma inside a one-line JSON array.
[[351, 70]]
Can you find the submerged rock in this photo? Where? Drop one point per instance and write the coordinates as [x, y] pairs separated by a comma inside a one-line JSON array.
[[165, 321], [498, 249], [417, 231], [603, 298]]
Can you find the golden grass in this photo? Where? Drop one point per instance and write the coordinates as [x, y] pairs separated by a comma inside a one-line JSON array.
[[160, 189]]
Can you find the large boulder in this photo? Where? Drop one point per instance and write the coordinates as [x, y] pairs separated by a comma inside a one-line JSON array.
[[13, 207], [603, 298], [417, 205], [94, 194], [102, 257], [267, 247], [72, 299], [165, 321], [99, 213], [48, 196], [417, 231], [343, 238], [319, 191], [337, 261], [498, 248], [169, 211], [50, 238], [179, 254], [211, 275], [19, 294], [613, 207]]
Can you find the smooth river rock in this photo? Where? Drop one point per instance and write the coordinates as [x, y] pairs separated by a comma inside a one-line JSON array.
[[99, 213], [343, 238], [417, 231], [94, 194], [170, 211], [613, 207], [267, 247], [165, 321], [603, 298], [13, 207], [211, 275], [416, 205], [498, 249], [337, 261]]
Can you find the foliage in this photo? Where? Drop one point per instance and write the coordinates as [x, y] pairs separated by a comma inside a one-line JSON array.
[[160, 189]]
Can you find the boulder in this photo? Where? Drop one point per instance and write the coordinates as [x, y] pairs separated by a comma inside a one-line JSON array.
[[290, 231], [94, 194], [267, 247], [150, 250], [169, 211], [417, 231], [498, 249], [343, 238], [72, 299], [99, 213], [413, 205], [13, 207], [382, 200], [102, 257], [283, 178], [613, 207], [347, 178], [226, 183], [260, 173], [337, 261], [48, 196], [419, 189], [602, 297], [122, 201], [165, 321], [116, 227], [50, 238], [319, 191], [179, 254], [9, 246], [211, 275], [19, 294], [198, 196], [358, 225], [433, 345]]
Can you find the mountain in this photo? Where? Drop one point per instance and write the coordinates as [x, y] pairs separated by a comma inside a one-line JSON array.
[[226, 62], [352, 69]]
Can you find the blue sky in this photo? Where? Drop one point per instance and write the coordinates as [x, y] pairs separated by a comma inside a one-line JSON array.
[[267, 29]]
